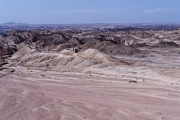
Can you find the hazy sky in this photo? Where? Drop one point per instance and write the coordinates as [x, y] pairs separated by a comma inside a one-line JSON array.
[[89, 11]]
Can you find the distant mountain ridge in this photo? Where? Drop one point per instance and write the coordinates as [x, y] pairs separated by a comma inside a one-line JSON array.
[[13, 23]]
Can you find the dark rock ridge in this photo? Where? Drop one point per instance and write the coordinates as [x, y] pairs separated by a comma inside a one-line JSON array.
[[163, 44]]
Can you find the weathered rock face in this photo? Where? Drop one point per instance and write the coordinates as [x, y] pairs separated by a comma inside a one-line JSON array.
[[2, 62], [7, 50], [110, 47], [48, 40], [163, 44]]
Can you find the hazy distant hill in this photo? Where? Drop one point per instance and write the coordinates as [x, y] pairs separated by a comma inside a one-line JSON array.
[[13, 23]]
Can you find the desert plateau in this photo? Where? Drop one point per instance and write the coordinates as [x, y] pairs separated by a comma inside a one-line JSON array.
[[90, 72]]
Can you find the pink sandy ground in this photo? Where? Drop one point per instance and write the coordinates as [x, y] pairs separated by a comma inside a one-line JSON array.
[[78, 97]]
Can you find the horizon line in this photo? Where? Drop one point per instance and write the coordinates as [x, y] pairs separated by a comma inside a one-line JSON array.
[[22, 23]]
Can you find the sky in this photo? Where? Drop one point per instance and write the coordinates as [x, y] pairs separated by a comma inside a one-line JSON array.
[[89, 11]]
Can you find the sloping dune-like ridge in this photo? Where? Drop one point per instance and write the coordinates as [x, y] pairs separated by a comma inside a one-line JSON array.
[[25, 51], [31, 57], [55, 60], [96, 55]]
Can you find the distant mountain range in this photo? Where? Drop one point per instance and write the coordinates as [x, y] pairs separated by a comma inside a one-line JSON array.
[[13, 23]]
